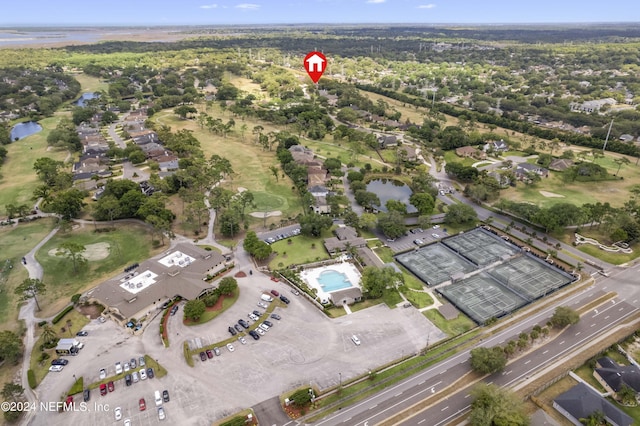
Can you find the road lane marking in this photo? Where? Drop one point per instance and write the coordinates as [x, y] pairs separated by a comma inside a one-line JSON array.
[[607, 317], [593, 325], [578, 333], [527, 362], [545, 352], [445, 408], [561, 343], [422, 421], [467, 396]]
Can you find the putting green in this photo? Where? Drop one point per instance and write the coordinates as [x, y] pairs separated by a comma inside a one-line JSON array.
[[264, 201]]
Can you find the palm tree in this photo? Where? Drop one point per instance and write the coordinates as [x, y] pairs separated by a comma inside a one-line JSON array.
[[48, 333]]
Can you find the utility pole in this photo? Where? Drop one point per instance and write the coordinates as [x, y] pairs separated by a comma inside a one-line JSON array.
[[607, 138]]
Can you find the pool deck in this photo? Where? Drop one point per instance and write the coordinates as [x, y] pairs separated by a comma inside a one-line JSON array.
[[310, 276]]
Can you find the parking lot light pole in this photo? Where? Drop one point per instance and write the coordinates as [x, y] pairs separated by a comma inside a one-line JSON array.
[[340, 376]]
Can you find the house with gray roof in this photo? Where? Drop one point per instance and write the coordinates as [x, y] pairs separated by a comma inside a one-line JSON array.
[[523, 169], [614, 376], [581, 401], [346, 236]]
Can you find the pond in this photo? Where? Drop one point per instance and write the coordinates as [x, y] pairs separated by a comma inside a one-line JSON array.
[[84, 98], [389, 189], [22, 130]]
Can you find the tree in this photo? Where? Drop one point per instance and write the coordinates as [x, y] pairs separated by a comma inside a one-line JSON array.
[[10, 346], [496, 406], [488, 360], [12, 391], [31, 288], [627, 395], [47, 169], [397, 206], [72, 251], [301, 398], [459, 214], [375, 281], [184, 110], [227, 285], [230, 222], [423, 202], [367, 199], [367, 221], [68, 204], [194, 309], [274, 171], [48, 334], [391, 224], [620, 161], [564, 316], [313, 224]]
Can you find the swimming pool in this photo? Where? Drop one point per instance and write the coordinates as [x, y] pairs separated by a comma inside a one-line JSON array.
[[331, 280]]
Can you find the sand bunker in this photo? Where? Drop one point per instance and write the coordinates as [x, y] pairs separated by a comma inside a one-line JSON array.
[[97, 251], [551, 194], [269, 214]]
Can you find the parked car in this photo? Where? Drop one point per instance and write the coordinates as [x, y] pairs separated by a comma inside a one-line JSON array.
[[296, 292], [257, 313], [284, 299], [252, 317], [203, 356], [209, 353], [126, 366], [242, 340], [263, 305], [264, 326], [150, 373], [56, 368], [135, 377], [59, 361], [232, 331], [142, 404], [418, 242], [435, 235], [255, 335], [133, 363], [82, 333], [355, 340], [86, 395], [230, 347], [165, 395], [260, 331], [103, 374], [127, 379], [174, 309], [276, 316], [103, 389], [141, 362], [118, 413], [238, 327], [127, 422], [268, 323], [436, 226], [216, 351], [243, 323], [118, 368], [110, 386], [275, 293], [161, 414], [143, 374], [69, 403]]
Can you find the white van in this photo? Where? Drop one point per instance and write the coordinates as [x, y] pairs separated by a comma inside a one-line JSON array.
[[355, 340], [266, 298], [158, 398]]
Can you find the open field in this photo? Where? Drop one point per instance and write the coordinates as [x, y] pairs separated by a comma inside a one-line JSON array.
[[454, 327], [128, 243], [17, 177], [302, 250], [91, 84], [451, 157]]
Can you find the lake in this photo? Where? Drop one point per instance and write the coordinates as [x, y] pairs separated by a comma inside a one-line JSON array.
[[389, 189], [22, 130], [84, 98]]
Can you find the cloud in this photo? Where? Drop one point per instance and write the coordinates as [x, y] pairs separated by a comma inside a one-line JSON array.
[[208, 6], [248, 6], [427, 6], [376, 1]]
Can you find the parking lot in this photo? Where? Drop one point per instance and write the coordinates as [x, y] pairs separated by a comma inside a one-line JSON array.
[[406, 242], [304, 347]]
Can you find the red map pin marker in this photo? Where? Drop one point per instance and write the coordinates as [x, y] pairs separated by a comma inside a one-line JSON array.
[[315, 63]]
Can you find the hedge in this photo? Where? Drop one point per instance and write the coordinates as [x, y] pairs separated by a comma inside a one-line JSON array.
[[236, 421], [31, 377], [62, 313]]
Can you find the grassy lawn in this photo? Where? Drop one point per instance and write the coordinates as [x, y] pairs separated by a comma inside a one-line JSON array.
[[613, 258], [419, 299], [451, 157], [17, 177], [341, 150], [127, 244], [454, 327], [15, 242], [208, 315], [384, 253], [250, 162], [91, 84], [300, 251], [391, 298], [42, 368]]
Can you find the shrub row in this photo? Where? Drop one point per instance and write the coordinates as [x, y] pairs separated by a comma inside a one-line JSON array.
[[62, 313], [31, 377]]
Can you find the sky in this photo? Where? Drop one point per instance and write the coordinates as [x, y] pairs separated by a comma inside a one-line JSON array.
[[229, 12]]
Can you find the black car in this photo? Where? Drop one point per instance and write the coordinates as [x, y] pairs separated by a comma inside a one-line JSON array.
[[59, 361], [284, 299], [203, 356], [174, 310], [82, 333], [232, 331], [276, 316], [254, 334], [86, 395], [150, 373], [268, 323], [243, 323], [238, 328], [165, 395], [127, 380]]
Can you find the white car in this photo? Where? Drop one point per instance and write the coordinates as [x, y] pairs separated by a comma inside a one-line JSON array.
[[118, 368], [264, 326], [435, 235], [230, 347], [260, 331], [242, 340], [263, 305], [118, 413], [161, 414], [436, 226], [126, 366], [103, 373], [252, 317], [56, 368], [127, 422], [143, 374], [141, 362], [135, 377]]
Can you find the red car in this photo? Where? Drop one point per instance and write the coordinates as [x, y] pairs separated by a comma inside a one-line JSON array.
[[69, 404], [143, 404], [275, 293], [110, 386], [103, 389]]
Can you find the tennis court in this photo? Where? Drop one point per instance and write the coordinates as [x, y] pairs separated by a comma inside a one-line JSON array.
[[435, 264], [529, 277], [481, 297], [481, 247]]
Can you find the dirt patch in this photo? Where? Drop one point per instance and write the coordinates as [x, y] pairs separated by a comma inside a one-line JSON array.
[[550, 194], [92, 311], [240, 274], [92, 252]]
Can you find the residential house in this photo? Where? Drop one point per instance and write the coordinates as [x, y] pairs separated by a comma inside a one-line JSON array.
[[167, 162], [496, 146], [591, 106], [469, 151], [523, 169], [346, 237], [386, 141], [408, 153], [560, 164], [503, 180], [347, 296], [319, 205], [301, 154], [145, 137], [581, 401], [614, 376], [626, 138]]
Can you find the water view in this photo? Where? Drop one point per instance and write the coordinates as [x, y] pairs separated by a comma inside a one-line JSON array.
[[389, 189], [85, 97], [22, 130]]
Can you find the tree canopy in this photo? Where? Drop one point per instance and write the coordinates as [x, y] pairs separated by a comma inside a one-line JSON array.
[[494, 406], [564, 316]]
